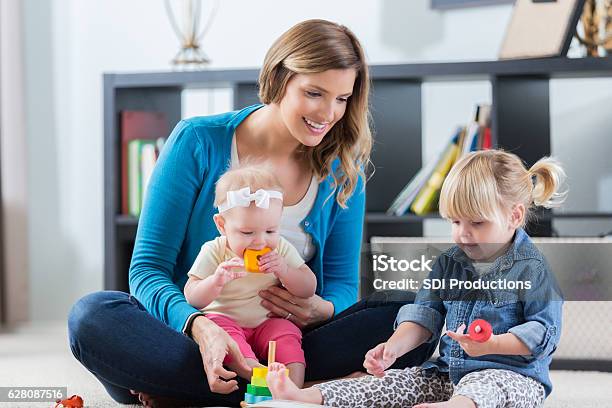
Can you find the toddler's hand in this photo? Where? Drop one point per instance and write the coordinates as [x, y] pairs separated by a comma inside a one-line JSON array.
[[273, 263], [472, 347], [226, 271], [379, 359]]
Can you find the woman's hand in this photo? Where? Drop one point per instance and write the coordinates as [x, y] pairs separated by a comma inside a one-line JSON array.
[[215, 344], [379, 359], [302, 312]]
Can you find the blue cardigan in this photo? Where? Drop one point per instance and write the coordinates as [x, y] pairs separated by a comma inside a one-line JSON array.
[[177, 218]]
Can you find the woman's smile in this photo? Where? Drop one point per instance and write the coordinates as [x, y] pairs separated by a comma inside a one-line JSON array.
[[316, 127]]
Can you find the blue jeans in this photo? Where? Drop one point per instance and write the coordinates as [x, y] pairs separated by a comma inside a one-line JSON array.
[[125, 347]]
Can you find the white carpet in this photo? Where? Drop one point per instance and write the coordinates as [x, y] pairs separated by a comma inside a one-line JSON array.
[[38, 355]]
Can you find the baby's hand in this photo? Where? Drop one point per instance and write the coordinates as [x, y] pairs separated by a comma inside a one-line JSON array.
[[379, 359], [273, 263], [470, 346], [225, 271]]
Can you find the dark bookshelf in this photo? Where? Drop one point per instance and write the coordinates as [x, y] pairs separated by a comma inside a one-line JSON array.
[[520, 123], [382, 218]]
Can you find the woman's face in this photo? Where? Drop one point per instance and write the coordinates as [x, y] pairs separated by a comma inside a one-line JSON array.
[[314, 103]]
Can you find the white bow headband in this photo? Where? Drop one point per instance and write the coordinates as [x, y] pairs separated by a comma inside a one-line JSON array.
[[243, 198]]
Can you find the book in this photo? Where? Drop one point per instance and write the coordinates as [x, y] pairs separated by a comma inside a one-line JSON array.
[[136, 175], [471, 138], [427, 198], [486, 142], [484, 122], [476, 130], [476, 135], [404, 199], [148, 158], [461, 139], [137, 125], [406, 196], [484, 115]]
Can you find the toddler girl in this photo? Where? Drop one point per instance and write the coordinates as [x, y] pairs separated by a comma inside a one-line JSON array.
[[487, 196], [250, 203]]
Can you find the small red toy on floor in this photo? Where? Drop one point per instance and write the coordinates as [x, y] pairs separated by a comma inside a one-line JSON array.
[[73, 402]]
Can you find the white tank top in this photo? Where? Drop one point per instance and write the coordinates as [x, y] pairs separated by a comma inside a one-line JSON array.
[[293, 215]]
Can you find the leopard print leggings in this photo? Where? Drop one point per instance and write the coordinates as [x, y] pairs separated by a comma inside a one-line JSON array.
[[404, 388]]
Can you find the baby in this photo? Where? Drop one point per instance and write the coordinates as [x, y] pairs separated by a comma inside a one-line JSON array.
[[250, 203]]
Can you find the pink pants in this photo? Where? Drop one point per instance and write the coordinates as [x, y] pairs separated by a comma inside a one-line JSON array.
[[253, 342]]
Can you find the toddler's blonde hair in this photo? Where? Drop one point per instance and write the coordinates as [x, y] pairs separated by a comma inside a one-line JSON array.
[[253, 175], [487, 184]]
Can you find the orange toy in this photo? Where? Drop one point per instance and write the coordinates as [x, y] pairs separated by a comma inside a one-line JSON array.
[[73, 402], [251, 258]]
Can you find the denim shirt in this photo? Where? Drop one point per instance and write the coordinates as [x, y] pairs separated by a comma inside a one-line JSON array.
[[533, 315]]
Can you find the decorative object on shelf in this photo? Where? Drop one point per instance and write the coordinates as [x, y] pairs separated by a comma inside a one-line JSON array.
[[190, 31], [596, 24], [541, 28]]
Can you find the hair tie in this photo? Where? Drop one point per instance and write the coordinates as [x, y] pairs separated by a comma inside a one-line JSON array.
[[243, 198]]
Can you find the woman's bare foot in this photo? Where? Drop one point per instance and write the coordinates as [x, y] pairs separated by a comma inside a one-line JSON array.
[[152, 401], [458, 401], [282, 388]]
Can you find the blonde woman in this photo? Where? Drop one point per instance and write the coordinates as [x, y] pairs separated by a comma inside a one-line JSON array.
[[312, 128], [488, 197]]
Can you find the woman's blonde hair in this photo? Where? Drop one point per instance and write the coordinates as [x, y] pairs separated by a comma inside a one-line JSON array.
[[487, 184], [253, 175], [315, 46]]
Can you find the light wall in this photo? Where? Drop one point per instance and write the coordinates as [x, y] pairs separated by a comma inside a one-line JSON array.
[[70, 43], [13, 171]]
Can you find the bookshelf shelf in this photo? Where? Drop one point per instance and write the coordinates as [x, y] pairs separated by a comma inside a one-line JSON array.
[[581, 215], [382, 218], [126, 221], [557, 68], [520, 123]]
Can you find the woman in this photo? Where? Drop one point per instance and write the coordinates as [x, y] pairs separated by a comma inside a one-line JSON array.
[[313, 129]]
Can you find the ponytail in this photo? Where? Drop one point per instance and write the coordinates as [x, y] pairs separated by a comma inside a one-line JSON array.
[[547, 176], [487, 184]]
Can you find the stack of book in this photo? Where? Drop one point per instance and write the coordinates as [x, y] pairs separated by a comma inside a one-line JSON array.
[[142, 137], [420, 195]]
